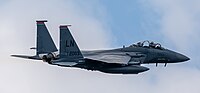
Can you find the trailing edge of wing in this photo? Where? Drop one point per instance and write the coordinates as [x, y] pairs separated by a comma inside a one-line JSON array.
[[27, 57]]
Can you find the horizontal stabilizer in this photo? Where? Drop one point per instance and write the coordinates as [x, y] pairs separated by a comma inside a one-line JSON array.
[[27, 57]]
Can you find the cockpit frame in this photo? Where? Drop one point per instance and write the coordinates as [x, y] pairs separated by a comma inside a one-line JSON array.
[[150, 45]]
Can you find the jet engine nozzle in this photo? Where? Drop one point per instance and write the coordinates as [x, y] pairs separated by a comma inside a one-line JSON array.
[[49, 57]]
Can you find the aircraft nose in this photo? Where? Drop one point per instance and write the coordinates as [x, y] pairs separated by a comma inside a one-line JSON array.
[[182, 57]]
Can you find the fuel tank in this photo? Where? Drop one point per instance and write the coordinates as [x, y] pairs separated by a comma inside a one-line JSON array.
[[131, 69]]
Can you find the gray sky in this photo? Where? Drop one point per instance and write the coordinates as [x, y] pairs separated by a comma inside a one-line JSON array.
[[91, 26]]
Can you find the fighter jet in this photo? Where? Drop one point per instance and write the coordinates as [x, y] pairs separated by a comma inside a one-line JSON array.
[[125, 60]]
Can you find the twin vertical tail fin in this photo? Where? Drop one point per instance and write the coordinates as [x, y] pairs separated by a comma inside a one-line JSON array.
[[69, 50], [45, 43], [68, 47]]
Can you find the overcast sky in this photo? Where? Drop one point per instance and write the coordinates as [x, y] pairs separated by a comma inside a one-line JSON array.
[[100, 24]]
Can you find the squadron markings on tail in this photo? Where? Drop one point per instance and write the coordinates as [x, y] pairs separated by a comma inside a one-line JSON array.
[[70, 43]]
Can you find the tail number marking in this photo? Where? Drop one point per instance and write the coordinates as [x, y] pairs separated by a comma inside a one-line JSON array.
[[73, 53]]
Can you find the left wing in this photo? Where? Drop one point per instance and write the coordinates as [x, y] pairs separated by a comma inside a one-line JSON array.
[[111, 58], [115, 57]]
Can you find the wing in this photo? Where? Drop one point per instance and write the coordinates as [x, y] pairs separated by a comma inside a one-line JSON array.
[[110, 58], [115, 57]]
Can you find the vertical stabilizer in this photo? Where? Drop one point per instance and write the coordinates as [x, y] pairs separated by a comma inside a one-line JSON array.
[[68, 47], [45, 43]]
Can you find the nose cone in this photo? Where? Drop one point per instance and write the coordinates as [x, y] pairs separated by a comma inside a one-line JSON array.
[[182, 58]]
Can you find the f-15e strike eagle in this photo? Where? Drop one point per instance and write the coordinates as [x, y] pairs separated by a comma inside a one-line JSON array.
[[126, 60]]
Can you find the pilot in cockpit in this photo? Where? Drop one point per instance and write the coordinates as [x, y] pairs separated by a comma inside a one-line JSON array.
[[152, 45], [139, 44], [155, 45]]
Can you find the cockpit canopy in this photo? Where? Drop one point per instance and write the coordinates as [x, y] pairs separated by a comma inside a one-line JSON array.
[[147, 44]]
